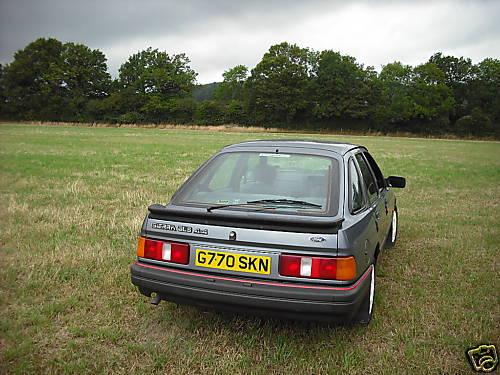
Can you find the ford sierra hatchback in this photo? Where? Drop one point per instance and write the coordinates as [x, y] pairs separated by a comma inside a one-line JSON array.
[[284, 228]]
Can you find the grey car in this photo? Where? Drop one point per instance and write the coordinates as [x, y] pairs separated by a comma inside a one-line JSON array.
[[284, 228]]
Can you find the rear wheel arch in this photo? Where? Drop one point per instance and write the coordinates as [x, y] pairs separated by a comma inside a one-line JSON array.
[[365, 312]]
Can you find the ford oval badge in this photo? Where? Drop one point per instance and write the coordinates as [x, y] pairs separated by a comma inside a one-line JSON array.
[[317, 239]]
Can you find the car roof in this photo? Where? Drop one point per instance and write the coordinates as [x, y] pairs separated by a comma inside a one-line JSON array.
[[339, 147]]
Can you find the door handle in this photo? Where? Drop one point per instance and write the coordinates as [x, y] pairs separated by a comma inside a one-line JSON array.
[[386, 210], [377, 215]]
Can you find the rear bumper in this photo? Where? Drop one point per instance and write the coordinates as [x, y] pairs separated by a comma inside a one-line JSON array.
[[250, 296]]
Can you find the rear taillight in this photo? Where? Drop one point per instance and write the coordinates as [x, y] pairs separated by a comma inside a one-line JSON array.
[[173, 252], [342, 268]]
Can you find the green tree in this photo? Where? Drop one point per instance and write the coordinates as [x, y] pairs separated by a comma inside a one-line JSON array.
[[33, 82], [458, 74], [183, 110], [235, 112], [476, 124], [205, 91], [231, 87], [279, 87], [175, 110], [210, 112], [150, 78], [49, 80], [432, 98], [395, 104], [2, 92], [342, 87], [85, 77], [85, 71], [485, 89], [107, 108], [457, 71]]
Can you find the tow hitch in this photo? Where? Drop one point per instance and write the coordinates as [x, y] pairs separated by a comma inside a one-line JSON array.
[[155, 300]]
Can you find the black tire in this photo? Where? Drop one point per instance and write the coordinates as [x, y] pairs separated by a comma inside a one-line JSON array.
[[392, 236], [366, 310]]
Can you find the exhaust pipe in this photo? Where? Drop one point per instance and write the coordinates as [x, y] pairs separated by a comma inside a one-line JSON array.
[[156, 299]]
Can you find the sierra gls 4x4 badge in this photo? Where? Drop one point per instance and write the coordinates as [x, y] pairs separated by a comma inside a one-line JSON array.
[[179, 228]]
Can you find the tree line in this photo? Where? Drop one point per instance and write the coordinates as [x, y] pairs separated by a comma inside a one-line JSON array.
[[291, 87]]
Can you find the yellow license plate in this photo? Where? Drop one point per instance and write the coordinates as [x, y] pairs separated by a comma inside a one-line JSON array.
[[233, 262]]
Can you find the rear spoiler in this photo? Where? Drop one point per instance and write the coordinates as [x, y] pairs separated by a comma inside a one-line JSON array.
[[244, 219]]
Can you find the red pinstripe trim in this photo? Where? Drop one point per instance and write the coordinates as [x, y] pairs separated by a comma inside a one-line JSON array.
[[258, 282]]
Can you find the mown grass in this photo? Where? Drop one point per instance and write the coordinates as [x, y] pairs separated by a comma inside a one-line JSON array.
[[73, 199]]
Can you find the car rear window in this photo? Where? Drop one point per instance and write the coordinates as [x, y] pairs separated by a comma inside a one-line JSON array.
[[240, 177]]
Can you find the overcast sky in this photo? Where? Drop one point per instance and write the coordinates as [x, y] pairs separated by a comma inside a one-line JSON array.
[[219, 34]]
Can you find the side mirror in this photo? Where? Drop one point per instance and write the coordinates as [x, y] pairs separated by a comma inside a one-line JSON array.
[[395, 181]]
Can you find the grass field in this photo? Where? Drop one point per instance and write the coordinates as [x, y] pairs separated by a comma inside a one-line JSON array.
[[72, 201]]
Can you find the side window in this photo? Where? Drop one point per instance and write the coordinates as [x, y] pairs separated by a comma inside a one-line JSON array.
[[376, 170], [371, 185], [356, 195]]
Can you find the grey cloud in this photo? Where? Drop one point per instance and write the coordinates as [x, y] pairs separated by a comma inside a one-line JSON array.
[[112, 24], [219, 34], [98, 22]]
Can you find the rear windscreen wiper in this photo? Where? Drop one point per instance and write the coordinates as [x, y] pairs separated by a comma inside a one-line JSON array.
[[211, 208], [289, 202]]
